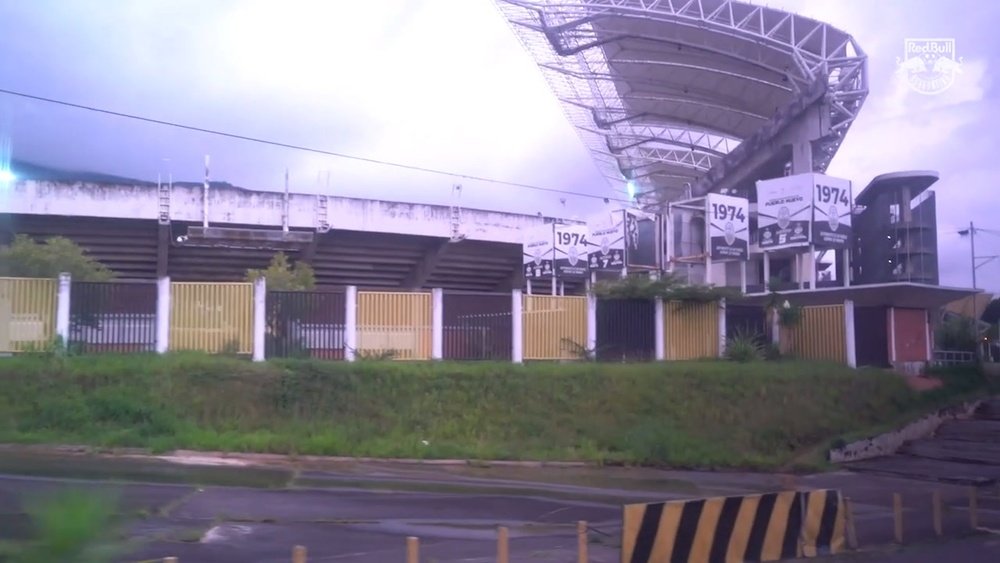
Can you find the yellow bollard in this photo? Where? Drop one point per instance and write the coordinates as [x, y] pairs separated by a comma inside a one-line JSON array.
[[936, 507], [852, 532], [581, 542], [299, 554], [503, 549], [973, 508], [412, 550], [897, 512]]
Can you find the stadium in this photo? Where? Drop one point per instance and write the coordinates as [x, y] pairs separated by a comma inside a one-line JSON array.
[[677, 102], [661, 98]]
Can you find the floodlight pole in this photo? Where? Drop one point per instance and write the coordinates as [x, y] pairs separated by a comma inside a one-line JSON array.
[[284, 206], [204, 197]]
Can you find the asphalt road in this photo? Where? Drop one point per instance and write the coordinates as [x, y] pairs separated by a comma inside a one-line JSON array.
[[979, 549], [364, 511], [238, 524]]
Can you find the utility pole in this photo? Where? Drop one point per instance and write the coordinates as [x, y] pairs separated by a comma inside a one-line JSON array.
[[975, 296], [972, 246]]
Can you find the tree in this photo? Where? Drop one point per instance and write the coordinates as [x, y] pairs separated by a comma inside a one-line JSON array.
[[282, 276], [991, 314], [284, 310], [956, 333], [25, 258]]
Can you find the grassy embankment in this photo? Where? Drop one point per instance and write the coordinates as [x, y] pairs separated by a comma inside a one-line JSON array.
[[691, 414]]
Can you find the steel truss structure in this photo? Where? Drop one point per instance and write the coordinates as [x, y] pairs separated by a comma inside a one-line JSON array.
[[661, 90]]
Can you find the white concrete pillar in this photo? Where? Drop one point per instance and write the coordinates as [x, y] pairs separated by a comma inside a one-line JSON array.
[[517, 327], [259, 317], [437, 324], [767, 271], [669, 257], [591, 321], [930, 336], [722, 328], [846, 266], [813, 264], [892, 334], [775, 328], [62, 308], [658, 319], [350, 323], [743, 276], [852, 356], [802, 157], [163, 315]]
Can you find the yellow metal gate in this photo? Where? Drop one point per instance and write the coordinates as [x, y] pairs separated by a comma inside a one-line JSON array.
[[27, 313], [555, 327], [394, 323], [690, 330], [819, 335], [211, 317]]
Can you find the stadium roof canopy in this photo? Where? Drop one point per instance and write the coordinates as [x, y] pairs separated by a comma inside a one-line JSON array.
[[662, 91]]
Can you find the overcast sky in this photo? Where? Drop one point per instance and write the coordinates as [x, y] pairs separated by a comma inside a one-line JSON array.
[[441, 84]]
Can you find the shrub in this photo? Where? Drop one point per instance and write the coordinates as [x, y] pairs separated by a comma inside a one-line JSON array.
[[25, 258], [71, 526], [744, 346]]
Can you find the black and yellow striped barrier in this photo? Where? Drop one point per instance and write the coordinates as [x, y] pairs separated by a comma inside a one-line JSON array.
[[767, 527]]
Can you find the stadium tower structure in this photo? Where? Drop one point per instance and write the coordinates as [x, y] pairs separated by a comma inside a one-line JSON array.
[[685, 97]]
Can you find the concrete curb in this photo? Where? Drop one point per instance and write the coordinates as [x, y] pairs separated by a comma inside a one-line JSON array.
[[193, 457], [890, 442]]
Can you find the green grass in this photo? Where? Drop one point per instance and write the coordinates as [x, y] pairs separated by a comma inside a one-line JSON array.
[[74, 526], [683, 414]]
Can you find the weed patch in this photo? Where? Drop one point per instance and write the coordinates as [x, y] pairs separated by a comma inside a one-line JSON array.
[[685, 414]]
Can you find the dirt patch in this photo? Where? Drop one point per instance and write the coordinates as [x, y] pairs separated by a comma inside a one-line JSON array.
[[923, 383]]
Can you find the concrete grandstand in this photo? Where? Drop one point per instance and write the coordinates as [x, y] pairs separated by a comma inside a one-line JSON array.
[[144, 231]]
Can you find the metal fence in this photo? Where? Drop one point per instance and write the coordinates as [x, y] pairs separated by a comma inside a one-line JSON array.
[[211, 317], [477, 326], [626, 330], [555, 327], [27, 313], [394, 324], [112, 317], [305, 324], [746, 320], [691, 330], [819, 335], [947, 358]]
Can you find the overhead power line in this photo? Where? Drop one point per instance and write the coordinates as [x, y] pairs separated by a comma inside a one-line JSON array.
[[303, 147]]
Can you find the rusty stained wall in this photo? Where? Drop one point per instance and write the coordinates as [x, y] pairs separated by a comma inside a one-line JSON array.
[[910, 329], [246, 207]]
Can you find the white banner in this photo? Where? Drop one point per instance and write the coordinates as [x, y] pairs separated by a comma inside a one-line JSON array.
[[571, 251], [832, 204], [537, 252], [784, 211], [606, 241], [728, 227]]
